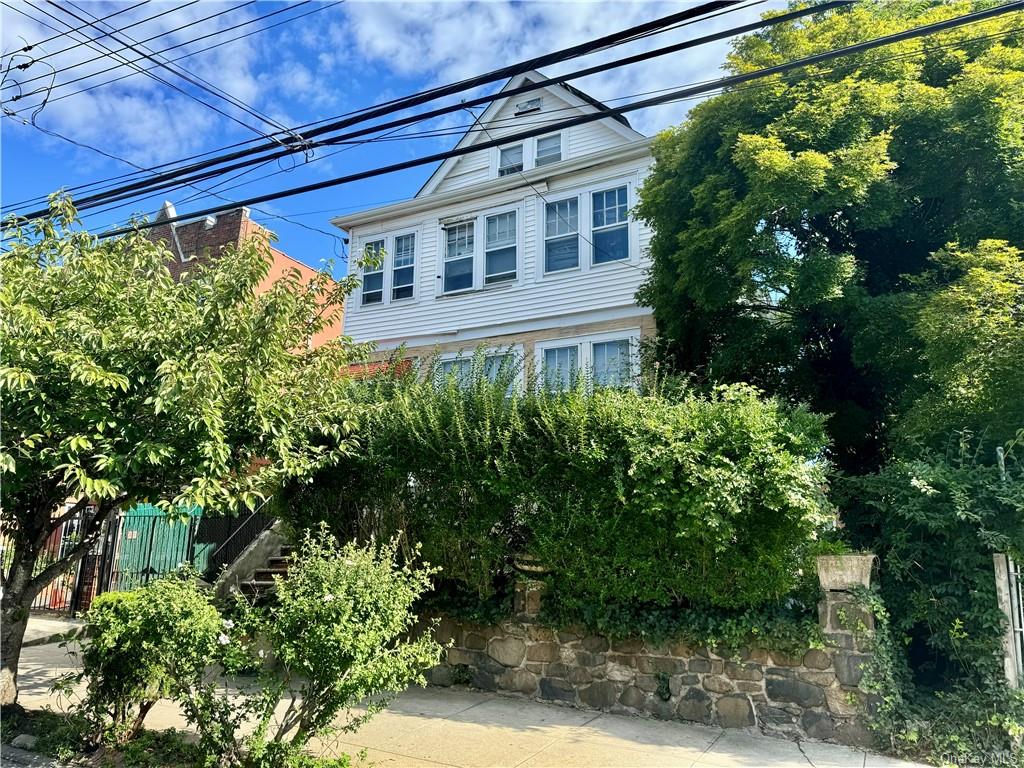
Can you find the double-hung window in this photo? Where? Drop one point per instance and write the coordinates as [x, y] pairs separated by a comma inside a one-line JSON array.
[[561, 366], [510, 160], [458, 257], [561, 235], [373, 275], [461, 368], [611, 363], [549, 150], [403, 267], [500, 248], [610, 231]]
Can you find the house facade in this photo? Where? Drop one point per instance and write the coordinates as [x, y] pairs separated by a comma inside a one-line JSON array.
[[196, 242], [526, 249]]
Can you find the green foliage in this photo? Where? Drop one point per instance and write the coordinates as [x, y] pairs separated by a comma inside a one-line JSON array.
[[627, 498], [788, 216], [337, 636], [121, 385], [940, 518], [138, 644]]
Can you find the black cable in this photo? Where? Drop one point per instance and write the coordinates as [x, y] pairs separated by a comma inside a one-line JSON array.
[[223, 12], [127, 26], [928, 29], [30, 46], [96, 45], [42, 199], [648, 30], [169, 178], [181, 72]]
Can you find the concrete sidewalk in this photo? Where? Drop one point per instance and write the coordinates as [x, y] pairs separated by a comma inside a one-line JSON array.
[[470, 729]]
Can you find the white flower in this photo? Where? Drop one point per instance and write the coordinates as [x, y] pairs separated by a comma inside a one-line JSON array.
[[328, 597], [228, 624], [223, 639]]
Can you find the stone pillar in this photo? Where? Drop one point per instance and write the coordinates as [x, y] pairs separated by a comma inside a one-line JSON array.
[[527, 600]]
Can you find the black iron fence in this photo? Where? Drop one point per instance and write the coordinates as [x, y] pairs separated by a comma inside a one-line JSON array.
[[137, 546]]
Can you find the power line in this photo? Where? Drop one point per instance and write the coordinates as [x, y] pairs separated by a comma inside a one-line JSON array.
[[127, 26], [96, 46], [725, 82], [674, 21], [170, 178], [30, 46], [318, 9], [146, 40], [181, 72]]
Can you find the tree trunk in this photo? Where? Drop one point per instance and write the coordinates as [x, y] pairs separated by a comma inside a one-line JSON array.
[[14, 606]]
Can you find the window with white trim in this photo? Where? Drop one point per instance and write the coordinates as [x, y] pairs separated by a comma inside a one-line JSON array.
[[458, 257], [500, 257], [548, 150], [373, 276], [561, 366], [561, 235], [459, 367], [403, 267], [611, 363], [610, 225], [607, 359], [510, 160]]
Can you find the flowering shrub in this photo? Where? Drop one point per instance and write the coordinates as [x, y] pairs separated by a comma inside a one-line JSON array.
[[337, 635]]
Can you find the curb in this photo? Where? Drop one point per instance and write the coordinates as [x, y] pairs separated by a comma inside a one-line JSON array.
[[14, 756], [58, 637]]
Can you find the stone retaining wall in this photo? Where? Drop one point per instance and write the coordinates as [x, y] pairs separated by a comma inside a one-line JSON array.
[[811, 695]]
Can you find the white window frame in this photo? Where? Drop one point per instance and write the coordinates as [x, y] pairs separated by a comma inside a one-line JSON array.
[[490, 351], [561, 148], [594, 229], [388, 265], [479, 220], [380, 269], [586, 226], [542, 227], [516, 244], [415, 258], [472, 255], [522, 151], [585, 351]]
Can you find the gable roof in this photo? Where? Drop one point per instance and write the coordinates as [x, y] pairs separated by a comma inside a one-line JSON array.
[[567, 93]]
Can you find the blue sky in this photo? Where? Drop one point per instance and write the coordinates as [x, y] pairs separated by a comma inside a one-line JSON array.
[[335, 58]]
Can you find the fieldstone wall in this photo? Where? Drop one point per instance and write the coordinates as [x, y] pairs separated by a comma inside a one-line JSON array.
[[814, 695]]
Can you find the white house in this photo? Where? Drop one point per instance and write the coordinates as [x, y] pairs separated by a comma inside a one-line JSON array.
[[526, 248]]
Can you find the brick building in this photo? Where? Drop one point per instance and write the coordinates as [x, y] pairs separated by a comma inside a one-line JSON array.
[[196, 242]]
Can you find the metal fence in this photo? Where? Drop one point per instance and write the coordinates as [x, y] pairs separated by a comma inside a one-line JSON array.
[[137, 546]]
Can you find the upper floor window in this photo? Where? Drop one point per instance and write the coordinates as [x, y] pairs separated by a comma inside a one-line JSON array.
[[458, 257], [549, 150], [610, 225], [373, 275], [561, 235], [510, 160], [403, 267], [500, 248]]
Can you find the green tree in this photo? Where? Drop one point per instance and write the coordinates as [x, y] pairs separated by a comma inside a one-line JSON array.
[[120, 385], [789, 214]]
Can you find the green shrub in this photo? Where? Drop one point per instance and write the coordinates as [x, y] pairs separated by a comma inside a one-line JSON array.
[[138, 645], [629, 498]]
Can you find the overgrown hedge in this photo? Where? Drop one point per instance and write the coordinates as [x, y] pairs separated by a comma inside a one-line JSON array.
[[630, 499]]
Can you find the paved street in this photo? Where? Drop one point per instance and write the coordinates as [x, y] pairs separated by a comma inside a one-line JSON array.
[[471, 729]]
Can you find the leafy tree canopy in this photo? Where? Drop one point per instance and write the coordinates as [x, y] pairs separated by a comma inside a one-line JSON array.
[[792, 215], [120, 385]]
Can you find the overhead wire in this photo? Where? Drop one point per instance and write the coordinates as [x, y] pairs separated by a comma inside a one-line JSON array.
[[923, 30]]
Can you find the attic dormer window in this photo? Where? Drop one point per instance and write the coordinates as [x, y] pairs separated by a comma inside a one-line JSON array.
[[510, 160], [525, 107]]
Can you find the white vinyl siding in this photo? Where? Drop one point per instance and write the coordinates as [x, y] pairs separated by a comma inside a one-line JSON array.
[[403, 267], [561, 235], [500, 256], [373, 276], [458, 257]]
